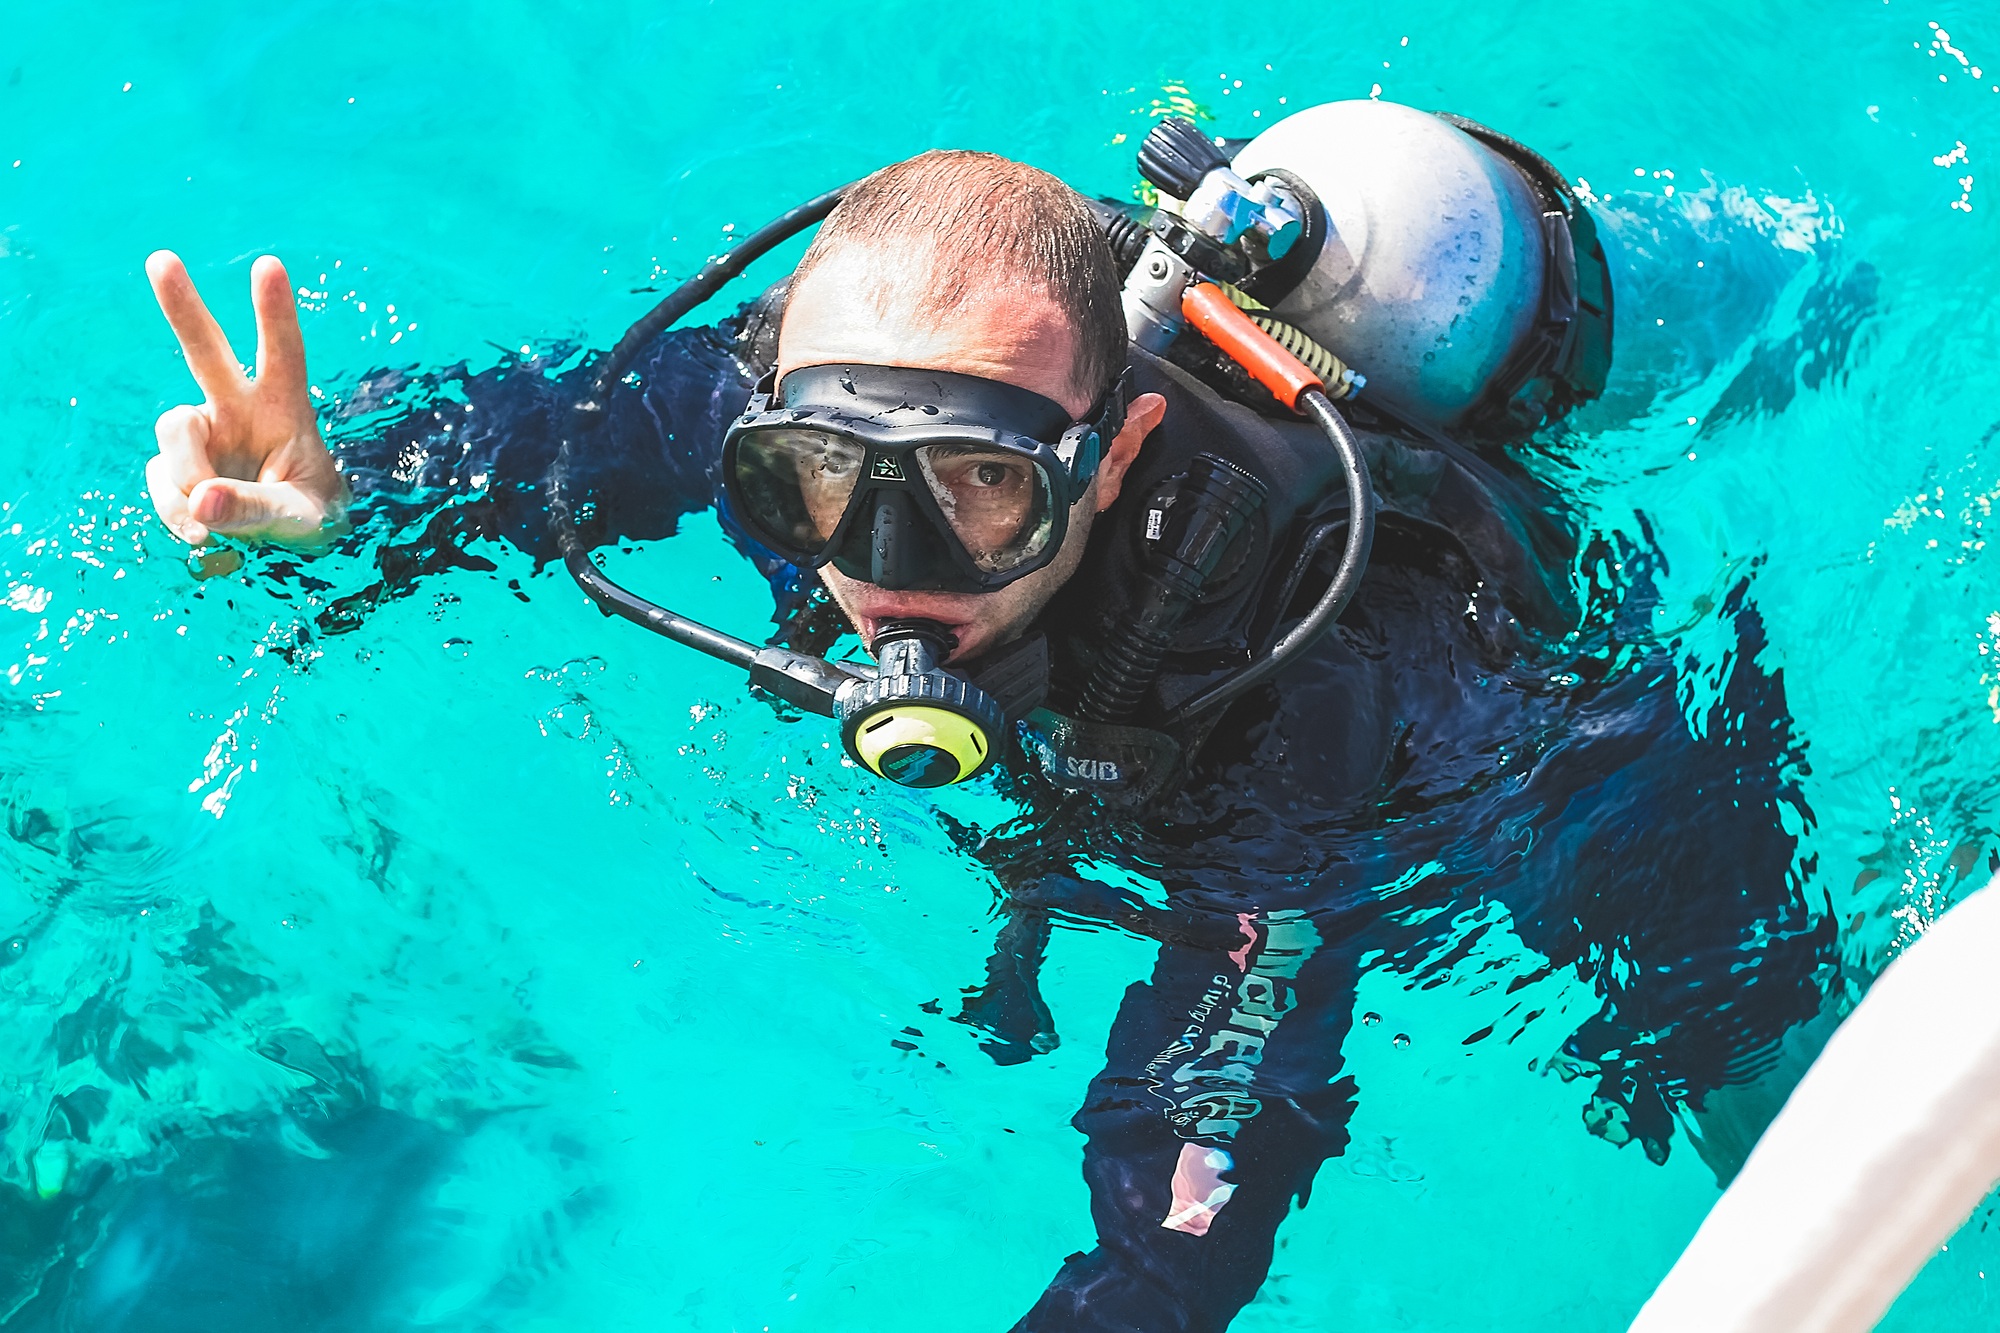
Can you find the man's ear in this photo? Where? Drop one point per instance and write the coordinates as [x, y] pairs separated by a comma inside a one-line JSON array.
[[1142, 415]]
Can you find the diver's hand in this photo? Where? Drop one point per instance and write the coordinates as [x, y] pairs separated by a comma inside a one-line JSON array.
[[248, 461]]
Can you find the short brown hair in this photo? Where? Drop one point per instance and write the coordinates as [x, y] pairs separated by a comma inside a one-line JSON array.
[[982, 217]]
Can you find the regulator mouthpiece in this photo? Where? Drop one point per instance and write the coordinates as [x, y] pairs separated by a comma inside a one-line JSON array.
[[917, 724]]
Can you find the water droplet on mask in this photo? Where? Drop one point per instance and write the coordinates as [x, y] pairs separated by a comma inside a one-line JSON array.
[[1400, 1040], [1370, 1019]]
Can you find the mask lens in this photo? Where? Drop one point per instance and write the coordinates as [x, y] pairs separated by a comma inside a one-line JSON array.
[[999, 504], [796, 484]]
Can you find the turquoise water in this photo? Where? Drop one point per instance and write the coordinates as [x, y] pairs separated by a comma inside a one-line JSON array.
[[592, 963]]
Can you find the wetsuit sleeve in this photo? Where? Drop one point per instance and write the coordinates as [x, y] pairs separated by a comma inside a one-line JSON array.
[[1219, 1100], [443, 460]]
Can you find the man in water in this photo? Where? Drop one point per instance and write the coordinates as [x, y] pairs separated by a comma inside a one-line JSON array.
[[1468, 735]]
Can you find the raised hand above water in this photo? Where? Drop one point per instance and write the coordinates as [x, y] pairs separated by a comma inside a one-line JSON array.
[[248, 460]]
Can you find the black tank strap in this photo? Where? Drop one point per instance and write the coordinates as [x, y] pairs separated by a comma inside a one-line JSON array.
[[1567, 356], [1543, 178]]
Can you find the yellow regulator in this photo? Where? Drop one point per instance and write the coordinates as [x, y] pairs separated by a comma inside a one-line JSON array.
[[915, 723]]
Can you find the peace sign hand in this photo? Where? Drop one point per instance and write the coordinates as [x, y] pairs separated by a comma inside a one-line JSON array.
[[248, 461]]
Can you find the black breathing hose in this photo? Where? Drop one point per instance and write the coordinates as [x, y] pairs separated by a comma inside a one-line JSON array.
[[1209, 512], [713, 277], [1353, 559], [588, 412]]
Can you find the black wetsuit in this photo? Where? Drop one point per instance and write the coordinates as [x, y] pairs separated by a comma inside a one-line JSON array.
[[1466, 736]]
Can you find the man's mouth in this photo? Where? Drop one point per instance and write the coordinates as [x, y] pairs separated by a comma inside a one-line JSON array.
[[873, 609]]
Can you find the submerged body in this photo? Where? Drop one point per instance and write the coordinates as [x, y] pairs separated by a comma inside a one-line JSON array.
[[1466, 737]]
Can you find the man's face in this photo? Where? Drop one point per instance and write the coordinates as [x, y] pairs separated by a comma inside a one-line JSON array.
[[851, 309]]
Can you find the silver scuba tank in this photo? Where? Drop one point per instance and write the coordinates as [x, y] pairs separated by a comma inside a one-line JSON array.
[[1431, 273]]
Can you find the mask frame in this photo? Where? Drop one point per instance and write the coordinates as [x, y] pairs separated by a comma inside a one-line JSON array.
[[890, 413]]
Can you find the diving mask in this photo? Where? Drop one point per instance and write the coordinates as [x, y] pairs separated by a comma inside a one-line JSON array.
[[912, 479]]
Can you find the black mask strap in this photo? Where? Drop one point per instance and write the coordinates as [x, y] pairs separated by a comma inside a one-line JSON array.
[[1082, 446]]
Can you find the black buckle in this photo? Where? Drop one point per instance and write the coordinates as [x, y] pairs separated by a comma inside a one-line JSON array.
[[1082, 446]]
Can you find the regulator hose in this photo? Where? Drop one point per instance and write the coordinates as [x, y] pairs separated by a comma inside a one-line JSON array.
[[1213, 506], [1342, 380], [1209, 309], [588, 412], [1268, 348]]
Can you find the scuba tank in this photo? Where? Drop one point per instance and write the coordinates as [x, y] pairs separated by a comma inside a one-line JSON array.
[[1431, 266], [1449, 265]]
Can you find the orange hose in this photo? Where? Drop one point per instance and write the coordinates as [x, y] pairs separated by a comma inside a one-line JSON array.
[[1218, 319]]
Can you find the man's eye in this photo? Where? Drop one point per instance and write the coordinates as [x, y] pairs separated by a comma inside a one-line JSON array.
[[990, 474]]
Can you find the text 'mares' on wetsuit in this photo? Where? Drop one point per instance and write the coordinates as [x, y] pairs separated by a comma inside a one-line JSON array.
[[1467, 736]]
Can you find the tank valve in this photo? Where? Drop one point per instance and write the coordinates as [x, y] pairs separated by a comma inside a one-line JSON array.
[[1179, 159]]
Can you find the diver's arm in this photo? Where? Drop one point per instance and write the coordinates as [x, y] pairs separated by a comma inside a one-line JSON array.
[[428, 463], [441, 460], [417, 443], [248, 461]]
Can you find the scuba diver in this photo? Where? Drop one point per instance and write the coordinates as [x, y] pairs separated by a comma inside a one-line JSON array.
[[1202, 529]]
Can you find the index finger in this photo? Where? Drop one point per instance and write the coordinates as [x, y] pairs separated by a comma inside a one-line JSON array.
[[213, 364]]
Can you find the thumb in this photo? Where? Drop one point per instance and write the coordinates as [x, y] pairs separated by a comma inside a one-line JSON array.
[[256, 509]]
